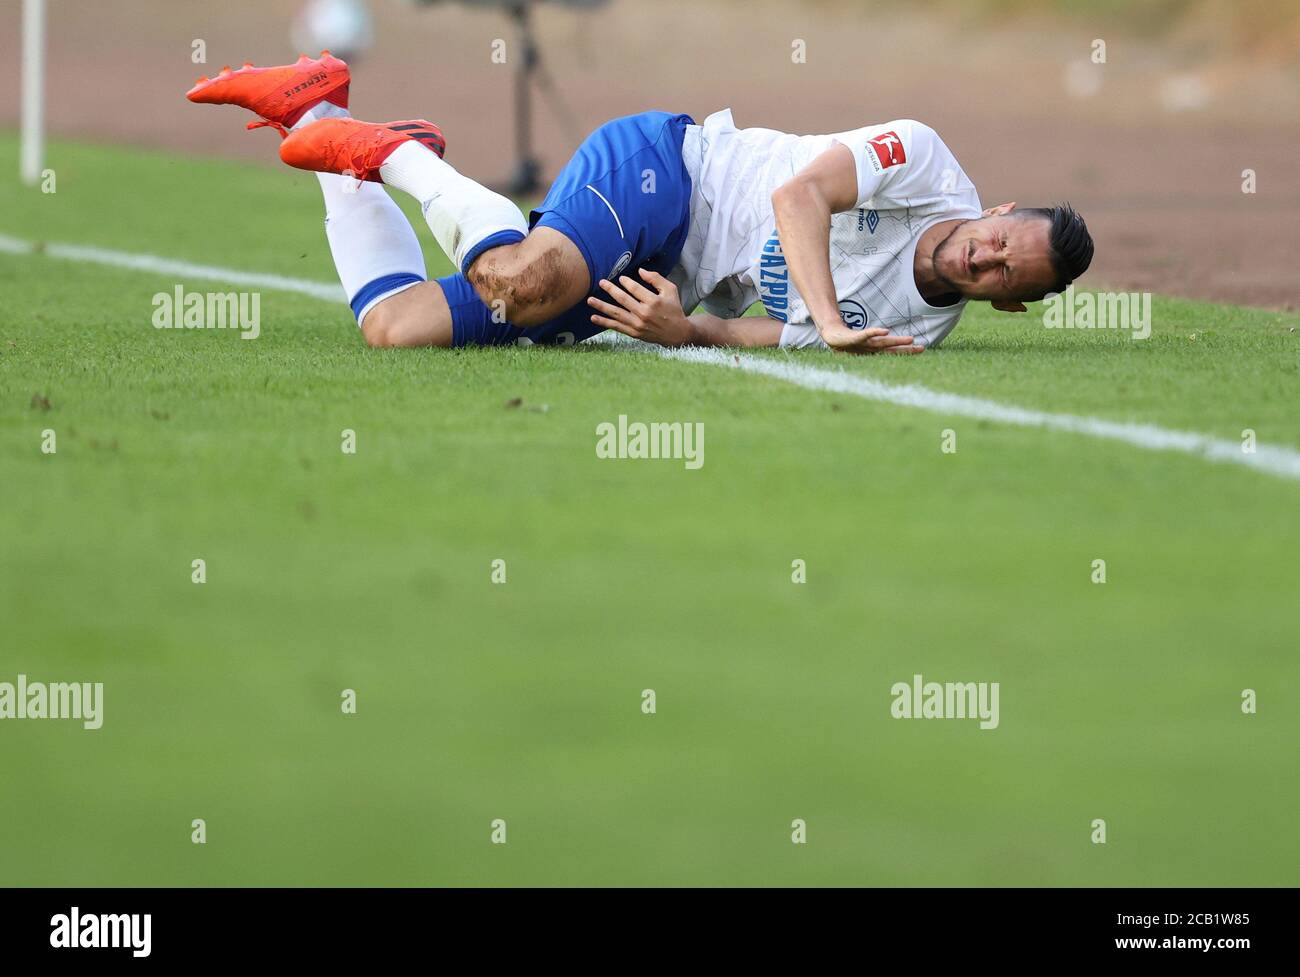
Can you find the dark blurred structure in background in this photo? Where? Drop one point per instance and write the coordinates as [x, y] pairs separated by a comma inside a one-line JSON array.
[[346, 27], [529, 69]]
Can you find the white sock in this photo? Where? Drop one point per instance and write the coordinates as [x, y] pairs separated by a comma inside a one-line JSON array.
[[460, 212], [321, 110], [376, 252]]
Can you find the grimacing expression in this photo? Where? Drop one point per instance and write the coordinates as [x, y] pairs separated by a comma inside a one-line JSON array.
[[1002, 258]]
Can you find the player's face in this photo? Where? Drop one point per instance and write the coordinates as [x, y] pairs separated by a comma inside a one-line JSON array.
[[1000, 258]]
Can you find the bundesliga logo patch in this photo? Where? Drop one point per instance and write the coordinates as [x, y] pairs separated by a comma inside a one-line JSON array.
[[888, 149]]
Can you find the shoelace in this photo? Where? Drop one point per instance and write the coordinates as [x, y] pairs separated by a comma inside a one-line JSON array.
[[367, 166], [284, 133]]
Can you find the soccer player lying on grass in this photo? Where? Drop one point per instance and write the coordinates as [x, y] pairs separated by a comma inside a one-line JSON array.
[[865, 241]]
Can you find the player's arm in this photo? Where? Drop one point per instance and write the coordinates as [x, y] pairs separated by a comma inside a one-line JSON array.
[[744, 331], [803, 206], [650, 310]]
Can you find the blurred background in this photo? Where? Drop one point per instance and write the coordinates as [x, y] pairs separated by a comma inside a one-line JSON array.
[[1150, 144]]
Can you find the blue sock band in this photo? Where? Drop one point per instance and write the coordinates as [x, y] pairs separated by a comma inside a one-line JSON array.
[[489, 242], [380, 286]]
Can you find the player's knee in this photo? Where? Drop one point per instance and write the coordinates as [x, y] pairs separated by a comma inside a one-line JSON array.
[[414, 316], [514, 286], [376, 330], [382, 326]]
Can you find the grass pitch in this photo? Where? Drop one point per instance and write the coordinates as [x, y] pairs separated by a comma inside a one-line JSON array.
[[522, 701]]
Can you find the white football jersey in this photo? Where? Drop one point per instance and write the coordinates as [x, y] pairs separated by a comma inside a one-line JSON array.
[[908, 180]]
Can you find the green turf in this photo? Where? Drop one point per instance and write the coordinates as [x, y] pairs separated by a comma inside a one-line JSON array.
[[521, 700]]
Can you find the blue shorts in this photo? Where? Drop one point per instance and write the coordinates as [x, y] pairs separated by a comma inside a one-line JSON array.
[[624, 199]]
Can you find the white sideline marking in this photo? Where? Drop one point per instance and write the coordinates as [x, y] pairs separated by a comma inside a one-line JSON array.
[[1274, 459], [167, 266]]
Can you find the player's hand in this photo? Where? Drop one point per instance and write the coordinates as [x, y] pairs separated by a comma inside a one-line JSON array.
[[651, 312], [842, 339]]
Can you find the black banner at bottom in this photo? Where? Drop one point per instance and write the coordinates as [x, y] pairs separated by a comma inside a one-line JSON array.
[[141, 927]]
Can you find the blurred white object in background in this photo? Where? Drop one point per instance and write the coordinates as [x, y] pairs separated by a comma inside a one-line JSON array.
[[1082, 78], [343, 27], [1184, 93]]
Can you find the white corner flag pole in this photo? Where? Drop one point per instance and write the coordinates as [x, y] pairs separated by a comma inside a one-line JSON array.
[[33, 124]]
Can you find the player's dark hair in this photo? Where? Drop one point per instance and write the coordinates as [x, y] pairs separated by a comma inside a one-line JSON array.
[[1068, 239]]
